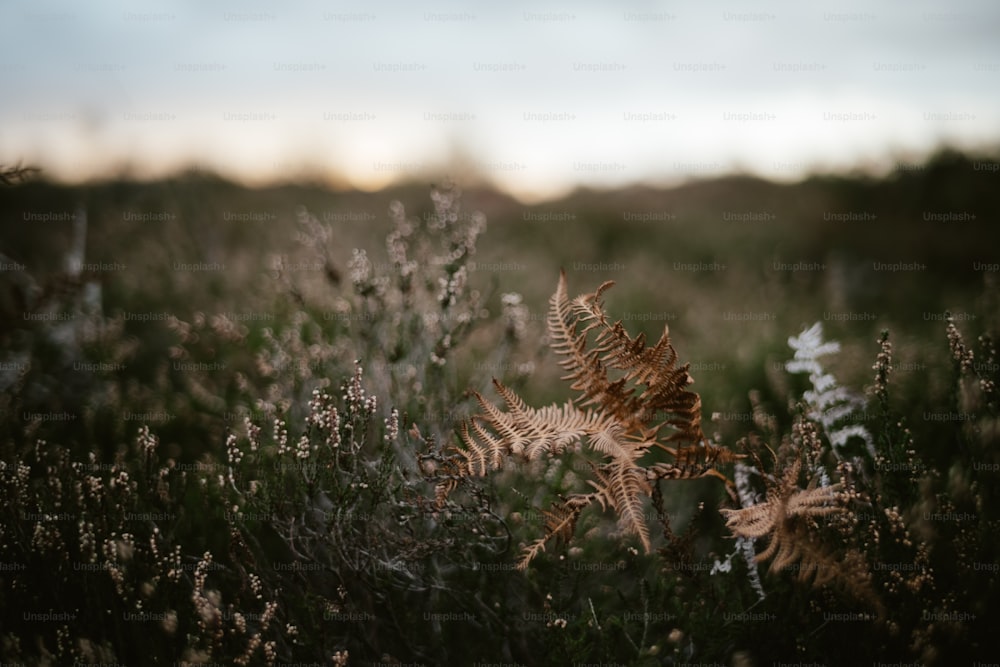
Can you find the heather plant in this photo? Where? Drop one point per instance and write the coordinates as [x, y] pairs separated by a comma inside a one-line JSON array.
[[407, 316], [108, 562], [344, 529], [326, 484], [287, 381]]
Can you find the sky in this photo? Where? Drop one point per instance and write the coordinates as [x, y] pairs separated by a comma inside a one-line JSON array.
[[537, 98]]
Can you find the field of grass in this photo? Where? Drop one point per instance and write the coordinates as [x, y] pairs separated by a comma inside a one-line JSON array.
[[226, 415]]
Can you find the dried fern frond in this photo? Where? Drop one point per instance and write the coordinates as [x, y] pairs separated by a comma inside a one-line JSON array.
[[560, 522], [787, 519], [528, 433], [623, 487], [664, 400], [618, 419], [785, 502], [694, 461]]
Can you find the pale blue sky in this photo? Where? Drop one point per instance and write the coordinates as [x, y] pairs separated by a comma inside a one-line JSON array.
[[593, 93]]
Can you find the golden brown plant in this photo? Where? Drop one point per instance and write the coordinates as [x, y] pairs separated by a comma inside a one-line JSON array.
[[629, 394], [787, 518], [777, 516]]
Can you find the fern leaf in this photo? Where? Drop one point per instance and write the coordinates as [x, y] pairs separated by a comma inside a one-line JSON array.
[[622, 485], [630, 486], [751, 522], [560, 522], [512, 439], [587, 372], [785, 519], [481, 459], [618, 419], [609, 442], [698, 460], [531, 552], [548, 430]]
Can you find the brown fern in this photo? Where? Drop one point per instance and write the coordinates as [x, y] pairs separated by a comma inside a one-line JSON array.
[[787, 519], [560, 522], [619, 419]]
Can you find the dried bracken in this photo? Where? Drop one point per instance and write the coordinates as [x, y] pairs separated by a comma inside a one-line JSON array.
[[776, 516], [621, 420], [787, 518]]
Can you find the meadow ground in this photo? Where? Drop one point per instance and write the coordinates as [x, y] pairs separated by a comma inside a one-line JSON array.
[[223, 428]]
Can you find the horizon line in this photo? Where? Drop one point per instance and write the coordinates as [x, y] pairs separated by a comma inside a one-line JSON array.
[[306, 175]]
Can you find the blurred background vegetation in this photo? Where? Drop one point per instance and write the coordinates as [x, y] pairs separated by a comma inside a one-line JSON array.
[[743, 230]]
